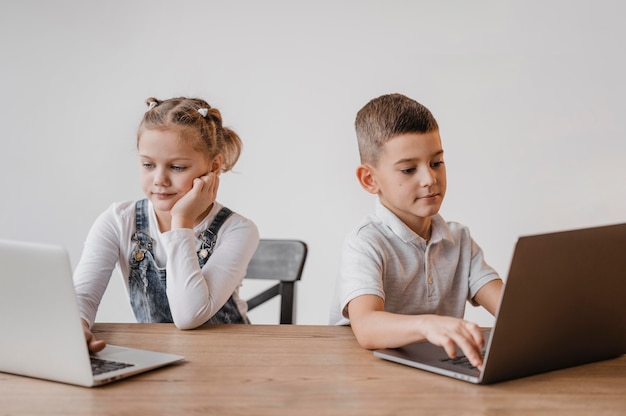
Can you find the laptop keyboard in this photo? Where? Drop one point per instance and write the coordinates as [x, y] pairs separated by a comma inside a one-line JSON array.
[[462, 361], [100, 366]]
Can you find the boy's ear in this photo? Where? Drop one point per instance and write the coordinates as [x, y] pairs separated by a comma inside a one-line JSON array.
[[365, 175]]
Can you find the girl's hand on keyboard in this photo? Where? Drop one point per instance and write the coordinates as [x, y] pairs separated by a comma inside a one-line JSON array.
[[93, 344]]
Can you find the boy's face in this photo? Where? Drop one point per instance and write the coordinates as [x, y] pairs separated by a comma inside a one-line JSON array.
[[409, 178]]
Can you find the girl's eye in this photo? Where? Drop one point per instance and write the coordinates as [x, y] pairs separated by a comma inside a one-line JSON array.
[[147, 165], [437, 164], [178, 168]]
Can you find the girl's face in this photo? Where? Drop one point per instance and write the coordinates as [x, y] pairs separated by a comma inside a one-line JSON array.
[[167, 167]]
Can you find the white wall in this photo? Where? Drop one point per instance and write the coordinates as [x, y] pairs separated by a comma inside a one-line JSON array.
[[530, 97]]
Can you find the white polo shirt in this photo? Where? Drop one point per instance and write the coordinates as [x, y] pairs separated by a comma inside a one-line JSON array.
[[384, 257]]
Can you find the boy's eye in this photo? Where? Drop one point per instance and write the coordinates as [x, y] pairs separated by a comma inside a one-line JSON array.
[[437, 164], [408, 171], [147, 165]]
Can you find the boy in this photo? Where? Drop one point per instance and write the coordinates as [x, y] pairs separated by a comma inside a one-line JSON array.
[[405, 273]]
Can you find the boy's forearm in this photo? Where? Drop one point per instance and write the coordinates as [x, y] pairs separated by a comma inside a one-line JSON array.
[[489, 296], [379, 329]]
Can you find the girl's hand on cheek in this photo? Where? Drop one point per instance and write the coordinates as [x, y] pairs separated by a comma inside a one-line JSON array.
[[208, 192], [195, 202]]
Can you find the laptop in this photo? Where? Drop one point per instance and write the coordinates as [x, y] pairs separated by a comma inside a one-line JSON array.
[[563, 305], [40, 325]]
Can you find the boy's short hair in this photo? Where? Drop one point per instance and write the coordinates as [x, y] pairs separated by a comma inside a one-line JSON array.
[[386, 117]]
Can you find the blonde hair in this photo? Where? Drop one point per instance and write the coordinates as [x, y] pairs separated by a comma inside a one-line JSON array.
[[386, 117], [196, 120]]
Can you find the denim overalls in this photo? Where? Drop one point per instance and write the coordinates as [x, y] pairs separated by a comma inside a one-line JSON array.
[[147, 282]]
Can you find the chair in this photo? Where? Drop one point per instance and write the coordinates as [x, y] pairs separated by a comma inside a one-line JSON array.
[[281, 260]]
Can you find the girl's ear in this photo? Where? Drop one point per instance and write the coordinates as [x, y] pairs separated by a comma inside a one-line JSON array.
[[216, 165], [365, 175]]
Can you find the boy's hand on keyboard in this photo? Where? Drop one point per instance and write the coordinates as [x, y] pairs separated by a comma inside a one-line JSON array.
[[93, 344], [449, 333]]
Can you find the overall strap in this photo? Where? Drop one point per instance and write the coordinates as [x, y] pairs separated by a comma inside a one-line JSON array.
[[209, 236], [141, 237], [141, 216]]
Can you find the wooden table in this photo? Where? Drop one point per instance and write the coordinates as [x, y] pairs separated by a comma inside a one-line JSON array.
[[303, 370]]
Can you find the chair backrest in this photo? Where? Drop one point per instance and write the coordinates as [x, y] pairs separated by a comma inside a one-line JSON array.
[[281, 260]]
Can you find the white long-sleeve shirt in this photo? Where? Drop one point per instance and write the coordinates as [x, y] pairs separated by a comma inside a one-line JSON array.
[[194, 294]]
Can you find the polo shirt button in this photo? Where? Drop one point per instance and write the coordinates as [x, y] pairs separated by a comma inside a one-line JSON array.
[[430, 280]]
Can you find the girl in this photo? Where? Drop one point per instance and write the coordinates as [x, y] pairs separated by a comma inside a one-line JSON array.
[[182, 254]]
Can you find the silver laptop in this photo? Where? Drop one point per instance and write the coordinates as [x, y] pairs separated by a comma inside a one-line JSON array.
[[40, 326], [563, 305]]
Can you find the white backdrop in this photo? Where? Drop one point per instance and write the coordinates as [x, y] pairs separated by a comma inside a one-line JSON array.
[[530, 97]]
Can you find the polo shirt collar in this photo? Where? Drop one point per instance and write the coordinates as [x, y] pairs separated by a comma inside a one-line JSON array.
[[440, 229]]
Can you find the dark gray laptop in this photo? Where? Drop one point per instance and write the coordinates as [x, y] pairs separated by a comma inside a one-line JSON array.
[[40, 327], [563, 305]]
